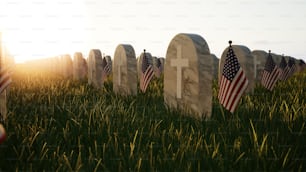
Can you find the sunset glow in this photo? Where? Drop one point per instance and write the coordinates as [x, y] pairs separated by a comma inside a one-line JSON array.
[[39, 29]]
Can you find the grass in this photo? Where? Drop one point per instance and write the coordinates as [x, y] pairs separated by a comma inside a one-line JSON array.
[[62, 125]]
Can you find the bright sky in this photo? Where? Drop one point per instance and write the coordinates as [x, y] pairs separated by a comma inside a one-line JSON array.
[[40, 28]]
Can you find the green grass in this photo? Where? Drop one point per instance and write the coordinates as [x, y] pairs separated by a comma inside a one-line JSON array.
[[61, 125]]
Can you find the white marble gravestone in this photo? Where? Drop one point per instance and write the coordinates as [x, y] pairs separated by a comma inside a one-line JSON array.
[[79, 66], [246, 61], [188, 75], [260, 58], [125, 70], [67, 66], [215, 66], [95, 68]]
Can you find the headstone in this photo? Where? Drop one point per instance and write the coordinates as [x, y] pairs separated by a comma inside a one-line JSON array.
[[246, 61], [188, 75], [125, 70], [139, 62], [157, 66], [215, 66], [95, 68], [79, 66], [162, 60], [277, 58], [260, 58], [67, 66]]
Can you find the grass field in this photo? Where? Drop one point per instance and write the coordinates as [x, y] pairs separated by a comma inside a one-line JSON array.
[[55, 124]]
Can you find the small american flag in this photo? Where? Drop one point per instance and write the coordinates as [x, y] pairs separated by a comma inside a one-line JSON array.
[[233, 82], [5, 79], [158, 68], [281, 68], [106, 69], [147, 73], [289, 70], [270, 74]]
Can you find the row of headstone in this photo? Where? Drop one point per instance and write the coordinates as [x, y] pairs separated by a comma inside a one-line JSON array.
[[189, 69]]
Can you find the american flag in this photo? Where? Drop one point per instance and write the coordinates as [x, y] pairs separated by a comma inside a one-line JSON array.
[[158, 68], [290, 69], [5, 79], [147, 73], [233, 82], [106, 69], [281, 68], [270, 74]]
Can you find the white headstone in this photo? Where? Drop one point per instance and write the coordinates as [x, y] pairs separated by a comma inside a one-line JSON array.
[[79, 66], [125, 70], [95, 68], [188, 75], [246, 61], [215, 66], [260, 58], [67, 66]]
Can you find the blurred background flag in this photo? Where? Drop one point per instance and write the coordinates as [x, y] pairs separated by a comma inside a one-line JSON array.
[[270, 74], [289, 69], [281, 68], [233, 82], [147, 73], [106, 69]]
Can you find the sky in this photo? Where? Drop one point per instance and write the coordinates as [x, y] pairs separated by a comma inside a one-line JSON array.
[[33, 29]]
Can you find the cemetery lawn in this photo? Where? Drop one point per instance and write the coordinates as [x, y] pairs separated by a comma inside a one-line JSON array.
[[62, 125]]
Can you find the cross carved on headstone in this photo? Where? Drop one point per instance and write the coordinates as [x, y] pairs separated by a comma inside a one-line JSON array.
[[179, 63], [256, 62]]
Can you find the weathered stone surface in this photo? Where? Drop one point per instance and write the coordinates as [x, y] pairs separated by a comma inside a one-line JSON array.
[[79, 66], [95, 68], [246, 61], [67, 66], [260, 58], [277, 58], [188, 75], [125, 70], [215, 66]]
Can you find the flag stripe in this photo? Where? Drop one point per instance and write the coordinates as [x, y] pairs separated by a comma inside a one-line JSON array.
[[147, 73]]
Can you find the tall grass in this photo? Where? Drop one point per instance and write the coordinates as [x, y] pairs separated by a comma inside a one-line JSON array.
[[62, 125]]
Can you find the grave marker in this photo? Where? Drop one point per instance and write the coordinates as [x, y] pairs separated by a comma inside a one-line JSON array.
[[260, 58], [67, 66], [79, 66], [125, 70], [95, 68], [187, 75]]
